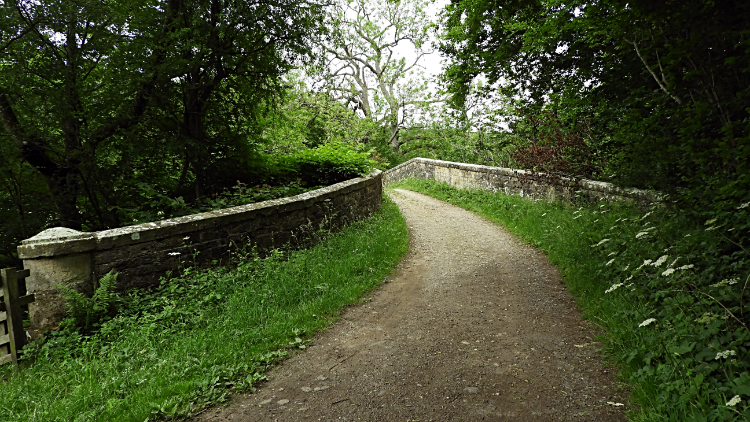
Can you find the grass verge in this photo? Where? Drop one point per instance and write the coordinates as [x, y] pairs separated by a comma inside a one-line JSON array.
[[171, 352], [669, 293]]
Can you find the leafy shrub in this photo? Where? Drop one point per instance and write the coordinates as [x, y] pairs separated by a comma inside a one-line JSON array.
[[684, 289], [88, 311], [329, 163]]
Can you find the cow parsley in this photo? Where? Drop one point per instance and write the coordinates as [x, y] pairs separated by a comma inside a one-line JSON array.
[[647, 322]]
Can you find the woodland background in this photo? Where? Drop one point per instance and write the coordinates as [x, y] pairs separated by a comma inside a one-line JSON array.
[[118, 112]]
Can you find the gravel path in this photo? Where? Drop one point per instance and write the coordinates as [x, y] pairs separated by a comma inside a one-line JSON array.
[[474, 326]]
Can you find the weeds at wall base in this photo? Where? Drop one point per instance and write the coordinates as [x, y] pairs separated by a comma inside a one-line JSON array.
[[672, 295]]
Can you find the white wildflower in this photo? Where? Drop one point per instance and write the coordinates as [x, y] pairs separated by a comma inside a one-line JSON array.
[[601, 242], [647, 322], [734, 400], [544, 214], [186, 238], [725, 354], [612, 253], [602, 205], [640, 235], [711, 221], [668, 271], [725, 282], [646, 215], [673, 262], [629, 278], [711, 228], [662, 259], [609, 262], [686, 267], [173, 253], [576, 217], [611, 403], [626, 267], [613, 288], [745, 205], [596, 220], [687, 235], [646, 262], [706, 318]]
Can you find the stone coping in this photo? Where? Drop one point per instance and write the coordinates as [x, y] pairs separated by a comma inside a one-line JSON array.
[[63, 241], [592, 185]]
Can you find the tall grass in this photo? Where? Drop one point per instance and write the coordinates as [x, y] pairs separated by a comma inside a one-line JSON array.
[[172, 352], [669, 293]]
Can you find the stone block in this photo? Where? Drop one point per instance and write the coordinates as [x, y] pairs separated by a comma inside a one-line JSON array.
[[72, 270], [55, 242]]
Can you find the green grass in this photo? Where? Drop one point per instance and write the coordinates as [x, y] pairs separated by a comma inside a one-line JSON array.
[[189, 344], [668, 292]]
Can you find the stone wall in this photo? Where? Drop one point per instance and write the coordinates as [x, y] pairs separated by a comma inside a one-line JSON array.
[[514, 182], [141, 254]]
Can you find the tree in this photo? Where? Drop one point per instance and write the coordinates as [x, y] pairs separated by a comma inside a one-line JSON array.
[[307, 119], [365, 64], [56, 102], [92, 91], [665, 84], [230, 58]]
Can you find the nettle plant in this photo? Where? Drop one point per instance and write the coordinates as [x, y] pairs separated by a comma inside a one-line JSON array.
[[683, 292]]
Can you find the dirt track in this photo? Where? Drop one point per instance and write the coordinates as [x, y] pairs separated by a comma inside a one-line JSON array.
[[474, 326]]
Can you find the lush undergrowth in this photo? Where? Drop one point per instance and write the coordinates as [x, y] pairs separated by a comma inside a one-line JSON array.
[[282, 176], [173, 351], [670, 294]]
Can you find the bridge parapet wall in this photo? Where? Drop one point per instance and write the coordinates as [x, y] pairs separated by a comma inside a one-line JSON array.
[[142, 254], [515, 182]]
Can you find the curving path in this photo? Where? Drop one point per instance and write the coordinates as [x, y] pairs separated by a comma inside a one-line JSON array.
[[475, 326]]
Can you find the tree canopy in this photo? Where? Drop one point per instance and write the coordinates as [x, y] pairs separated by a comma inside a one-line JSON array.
[[372, 60], [666, 84], [92, 91]]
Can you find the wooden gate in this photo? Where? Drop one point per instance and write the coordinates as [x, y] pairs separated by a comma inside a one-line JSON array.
[[12, 334]]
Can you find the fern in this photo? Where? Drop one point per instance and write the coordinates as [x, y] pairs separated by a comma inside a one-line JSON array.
[[87, 311]]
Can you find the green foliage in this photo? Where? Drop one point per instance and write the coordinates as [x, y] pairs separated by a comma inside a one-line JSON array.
[[99, 97], [665, 85], [307, 119], [87, 312], [159, 206], [330, 163], [24, 205], [173, 351], [670, 294], [365, 65]]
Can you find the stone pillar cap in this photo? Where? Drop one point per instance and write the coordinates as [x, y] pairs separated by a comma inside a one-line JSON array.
[[56, 241], [56, 234]]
